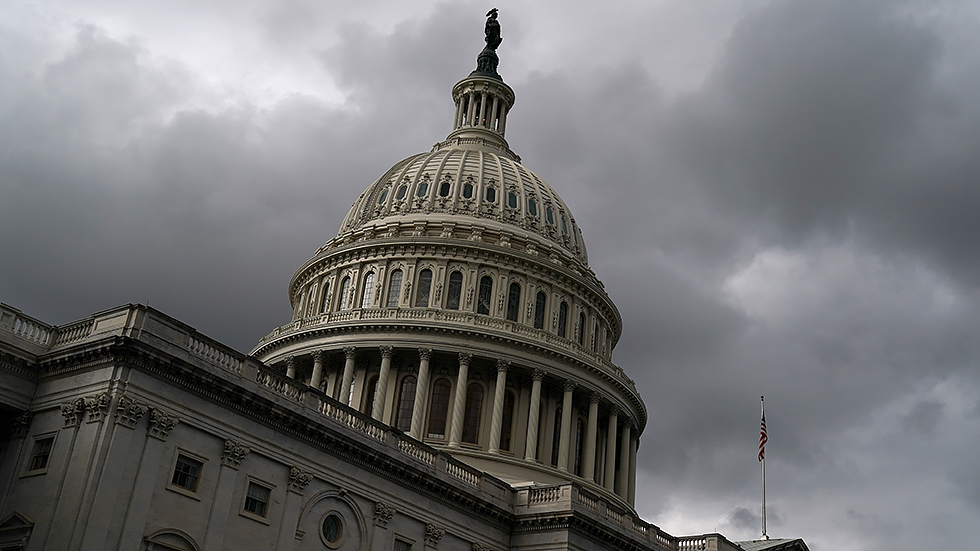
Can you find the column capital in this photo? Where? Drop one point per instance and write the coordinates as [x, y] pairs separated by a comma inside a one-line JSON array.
[[502, 365], [291, 361], [350, 352], [465, 358], [569, 385], [614, 410], [129, 411], [161, 423], [387, 351], [383, 513], [537, 375], [299, 479], [595, 397], [425, 354], [318, 355], [233, 454]]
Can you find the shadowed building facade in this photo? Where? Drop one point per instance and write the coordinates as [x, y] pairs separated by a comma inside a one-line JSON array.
[[446, 382]]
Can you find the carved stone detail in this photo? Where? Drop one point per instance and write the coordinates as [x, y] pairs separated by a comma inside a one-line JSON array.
[[234, 454], [537, 375], [350, 352], [569, 385], [129, 412], [425, 353], [387, 351], [161, 423], [433, 535], [502, 366], [595, 398], [299, 479], [97, 406], [383, 513], [465, 358], [22, 424], [318, 355], [73, 412]]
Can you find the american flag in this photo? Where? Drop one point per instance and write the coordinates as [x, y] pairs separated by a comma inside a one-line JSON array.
[[763, 438]]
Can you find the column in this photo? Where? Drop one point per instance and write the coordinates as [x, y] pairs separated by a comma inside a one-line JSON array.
[[421, 394], [609, 479], [624, 462], [471, 110], [534, 410], [588, 461], [298, 480], [317, 369], [381, 391], [291, 367], [157, 430], [498, 405], [483, 108], [221, 506], [456, 427], [566, 426], [503, 119], [350, 352], [493, 113], [632, 483]]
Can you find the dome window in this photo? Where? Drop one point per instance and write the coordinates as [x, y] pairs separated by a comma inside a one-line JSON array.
[[439, 409], [406, 403], [394, 289], [513, 301], [486, 295], [444, 189], [564, 226], [367, 295], [344, 294], [491, 195], [532, 207], [551, 216], [423, 189], [402, 190], [562, 318], [539, 305], [512, 200], [425, 285], [471, 414], [384, 195], [455, 290], [467, 191]]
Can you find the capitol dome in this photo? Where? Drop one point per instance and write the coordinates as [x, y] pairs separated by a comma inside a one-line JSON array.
[[456, 304]]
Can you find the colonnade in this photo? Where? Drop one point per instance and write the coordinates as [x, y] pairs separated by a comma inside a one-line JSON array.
[[471, 110], [601, 453]]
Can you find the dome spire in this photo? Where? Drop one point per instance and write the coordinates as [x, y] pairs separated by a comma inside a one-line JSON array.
[[482, 99]]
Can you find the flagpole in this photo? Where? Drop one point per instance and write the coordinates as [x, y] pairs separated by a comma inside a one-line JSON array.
[[763, 438]]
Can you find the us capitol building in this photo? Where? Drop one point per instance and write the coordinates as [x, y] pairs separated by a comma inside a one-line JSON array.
[[446, 383]]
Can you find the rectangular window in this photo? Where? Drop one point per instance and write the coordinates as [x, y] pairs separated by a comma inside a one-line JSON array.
[[187, 472], [402, 545], [257, 499], [41, 455]]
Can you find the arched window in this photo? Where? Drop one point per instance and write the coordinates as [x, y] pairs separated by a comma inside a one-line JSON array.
[[506, 421], [325, 305], [512, 199], [471, 418], [444, 189], [423, 189], [372, 388], [467, 190], [425, 285], [368, 293], [394, 289], [551, 215], [384, 195], [556, 440], [455, 290], [491, 195], [486, 295], [402, 190], [514, 301], [579, 437], [539, 303], [439, 408], [562, 318], [344, 294], [406, 403], [595, 333], [532, 207], [581, 328]]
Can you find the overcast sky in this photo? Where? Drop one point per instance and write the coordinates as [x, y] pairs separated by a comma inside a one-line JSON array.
[[783, 198]]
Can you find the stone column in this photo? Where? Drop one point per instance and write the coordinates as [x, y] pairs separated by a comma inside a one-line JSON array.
[[317, 369], [632, 482], [534, 410], [381, 391], [609, 479], [298, 480], [624, 462], [566, 426], [351, 353], [588, 461], [291, 367], [158, 429], [456, 427], [498, 406], [483, 108], [471, 110], [221, 506], [493, 113], [421, 394]]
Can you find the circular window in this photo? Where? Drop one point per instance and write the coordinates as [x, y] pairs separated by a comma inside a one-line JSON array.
[[332, 530]]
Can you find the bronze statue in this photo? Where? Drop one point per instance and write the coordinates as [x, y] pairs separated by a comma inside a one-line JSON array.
[[492, 30]]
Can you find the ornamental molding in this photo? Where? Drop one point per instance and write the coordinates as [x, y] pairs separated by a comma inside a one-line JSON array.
[[299, 479], [160, 424], [234, 453], [387, 351], [22, 425], [425, 354], [465, 358], [97, 406], [502, 366], [350, 352], [383, 513], [129, 412], [433, 535]]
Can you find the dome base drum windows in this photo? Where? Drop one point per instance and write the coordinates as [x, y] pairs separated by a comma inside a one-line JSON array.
[[423, 289], [486, 295]]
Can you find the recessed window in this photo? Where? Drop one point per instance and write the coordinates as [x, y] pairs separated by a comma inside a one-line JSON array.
[[444, 189], [512, 200], [394, 289], [455, 291], [539, 304], [425, 286], [187, 473], [344, 294], [486, 292], [257, 499], [332, 530], [564, 226], [471, 413], [368, 293], [41, 455], [384, 195], [402, 545], [406, 403], [513, 302], [402, 190], [423, 189], [439, 409], [562, 318], [491, 195], [467, 190], [532, 207], [550, 215]]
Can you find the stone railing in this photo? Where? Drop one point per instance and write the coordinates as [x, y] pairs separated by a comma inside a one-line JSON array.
[[215, 353], [18, 324], [469, 320], [280, 384], [74, 332]]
